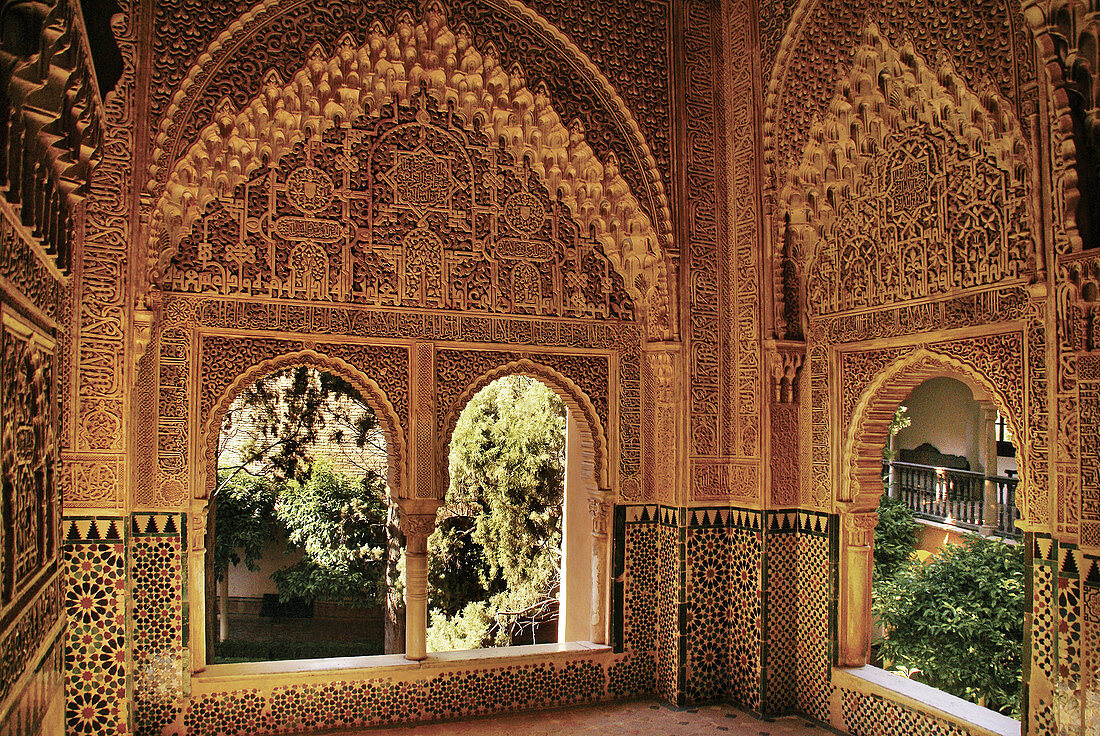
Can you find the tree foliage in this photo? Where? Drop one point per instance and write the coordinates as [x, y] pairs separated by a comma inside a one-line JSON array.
[[497, 550], [246, 521], [273, 426], [275, 482], [895, 538], [956, 622], [339, 524]]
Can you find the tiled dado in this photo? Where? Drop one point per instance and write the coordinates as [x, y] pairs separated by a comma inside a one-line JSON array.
[[634, 600], [159, 615], [96, 670], [870, 715], [1065, 638], [404, 693]]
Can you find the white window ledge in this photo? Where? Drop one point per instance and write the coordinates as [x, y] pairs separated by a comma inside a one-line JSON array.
[[924, 699], [352, 668]]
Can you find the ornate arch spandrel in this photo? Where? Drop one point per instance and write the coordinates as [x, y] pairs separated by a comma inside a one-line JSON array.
[[357, 81], [371, 392], [868, 430], [593, 435], [911, 187]]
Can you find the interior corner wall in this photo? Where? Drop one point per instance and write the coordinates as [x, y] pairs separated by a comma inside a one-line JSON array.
[[944, 414]]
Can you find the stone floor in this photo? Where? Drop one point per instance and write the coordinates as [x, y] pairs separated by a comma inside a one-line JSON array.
[[639, 718]]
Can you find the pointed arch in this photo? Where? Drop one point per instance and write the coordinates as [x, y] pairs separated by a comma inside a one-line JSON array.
[[594, 456], [371, 392], [869, 429], [903, 136], [359, 79]]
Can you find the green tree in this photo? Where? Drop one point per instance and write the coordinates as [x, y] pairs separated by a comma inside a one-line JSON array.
[[895, 538], [267, 445], [956, 622], [495, 559], [339, 524], [246, 521]]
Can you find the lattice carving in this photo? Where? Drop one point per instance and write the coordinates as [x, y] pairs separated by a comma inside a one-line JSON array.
[[911, 188], [1066, 33], [52, 122], [660, 420], [28, 454], [419, 180], [409, 210]]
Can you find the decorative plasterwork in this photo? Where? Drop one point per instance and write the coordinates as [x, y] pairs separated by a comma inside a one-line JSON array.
[[1066, 34], [909, 172], [358, 80], [370, 391]]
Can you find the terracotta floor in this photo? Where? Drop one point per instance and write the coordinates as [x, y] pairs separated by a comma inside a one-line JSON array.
[[642, 718]]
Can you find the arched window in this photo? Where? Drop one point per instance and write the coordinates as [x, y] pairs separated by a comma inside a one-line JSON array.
[[519, 555], [945, 539], [303, 550]]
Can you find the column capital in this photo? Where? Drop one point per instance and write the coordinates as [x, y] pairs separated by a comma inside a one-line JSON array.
[[418, 522], [196, 525], [859, 528]]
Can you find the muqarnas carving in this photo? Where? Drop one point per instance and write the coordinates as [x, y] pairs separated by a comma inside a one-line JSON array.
[[912, 188], [408, 210]]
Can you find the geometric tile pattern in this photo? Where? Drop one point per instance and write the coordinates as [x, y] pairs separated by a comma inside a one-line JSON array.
[[870, 715], [376, 702], [156, 569], [780, 587], [745, 629], [671, 613], [95, 602], [640, 579], [815, 585], [1043, 646], [709, 585], [636, 674], [1091, 616], [722, 595]]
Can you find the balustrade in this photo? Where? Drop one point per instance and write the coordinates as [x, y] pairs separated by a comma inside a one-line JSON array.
[[957, 497]]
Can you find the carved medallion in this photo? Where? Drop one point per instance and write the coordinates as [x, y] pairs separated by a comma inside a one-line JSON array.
[[309, 189], [524, 213], [420, 179], [910, 184]]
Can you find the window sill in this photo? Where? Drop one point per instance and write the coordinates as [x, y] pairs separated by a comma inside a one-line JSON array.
[[917, 696], [351, 668]]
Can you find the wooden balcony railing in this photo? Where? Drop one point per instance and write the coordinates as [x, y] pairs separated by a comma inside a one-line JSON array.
[[958, 497]]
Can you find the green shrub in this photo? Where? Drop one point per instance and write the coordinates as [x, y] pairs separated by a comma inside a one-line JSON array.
[[247, 650], [895, 538], [957, 622]]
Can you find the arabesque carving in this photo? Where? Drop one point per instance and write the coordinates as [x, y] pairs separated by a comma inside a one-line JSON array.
[[379, 80], [913, 187], [1065, 33], [409, 210], [51, 121], [883, 387]]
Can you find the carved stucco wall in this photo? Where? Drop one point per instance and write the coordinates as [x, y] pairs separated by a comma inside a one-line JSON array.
[[52, 128], [676, 146], [1023, 320], [528, 219]]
